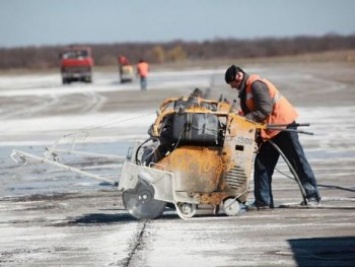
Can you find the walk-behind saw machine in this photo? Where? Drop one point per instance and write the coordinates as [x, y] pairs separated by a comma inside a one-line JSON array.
[[200, 152]]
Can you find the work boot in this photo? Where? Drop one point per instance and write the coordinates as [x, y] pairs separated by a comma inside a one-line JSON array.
[[311, 202], [254, 206]]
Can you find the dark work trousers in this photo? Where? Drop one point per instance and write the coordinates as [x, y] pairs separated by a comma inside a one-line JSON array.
[[143, 83], [265, 163]]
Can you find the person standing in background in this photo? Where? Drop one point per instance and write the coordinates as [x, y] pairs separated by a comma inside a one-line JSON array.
[[142, 71]]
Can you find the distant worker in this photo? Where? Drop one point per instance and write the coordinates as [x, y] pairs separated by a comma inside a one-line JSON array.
[[142, 71], [123, 61], [260, 101]]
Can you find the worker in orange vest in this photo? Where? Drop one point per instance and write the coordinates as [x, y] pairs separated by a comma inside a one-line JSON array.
[[123, 61], [261, 101], [142, 71]]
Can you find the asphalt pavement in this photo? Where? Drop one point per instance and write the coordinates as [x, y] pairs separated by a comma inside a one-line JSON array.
[[53, 217]]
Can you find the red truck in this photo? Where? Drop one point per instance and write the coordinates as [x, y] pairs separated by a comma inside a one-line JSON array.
[[76, 64]]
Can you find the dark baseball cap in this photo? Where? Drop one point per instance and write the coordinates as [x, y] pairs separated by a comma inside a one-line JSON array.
[[231, 72]]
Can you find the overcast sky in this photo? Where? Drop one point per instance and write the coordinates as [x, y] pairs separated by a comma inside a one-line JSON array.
[[58, 22]]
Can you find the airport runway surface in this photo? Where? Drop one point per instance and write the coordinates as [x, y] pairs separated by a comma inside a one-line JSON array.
[[53, 217]]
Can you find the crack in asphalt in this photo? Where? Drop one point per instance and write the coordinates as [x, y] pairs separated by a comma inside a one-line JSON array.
[[136, 243]]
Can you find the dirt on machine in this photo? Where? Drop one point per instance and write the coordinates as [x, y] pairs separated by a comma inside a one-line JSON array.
[[76, 63]]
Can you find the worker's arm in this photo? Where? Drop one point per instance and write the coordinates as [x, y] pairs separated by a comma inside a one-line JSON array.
[[262, 101]]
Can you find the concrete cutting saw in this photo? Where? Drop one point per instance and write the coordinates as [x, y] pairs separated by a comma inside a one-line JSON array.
[[200, 152]]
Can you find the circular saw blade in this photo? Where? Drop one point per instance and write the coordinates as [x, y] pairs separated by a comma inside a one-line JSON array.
[[140, 202]]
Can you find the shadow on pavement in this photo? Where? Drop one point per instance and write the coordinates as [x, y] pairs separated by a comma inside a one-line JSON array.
[[332, 251], [102, 218], [95, 218]]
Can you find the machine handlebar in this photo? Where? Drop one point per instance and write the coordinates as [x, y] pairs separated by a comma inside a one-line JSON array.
[[284, 127]]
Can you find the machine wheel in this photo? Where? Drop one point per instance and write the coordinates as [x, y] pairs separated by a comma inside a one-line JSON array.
[[140, 202], [185, 210], [231, 206]]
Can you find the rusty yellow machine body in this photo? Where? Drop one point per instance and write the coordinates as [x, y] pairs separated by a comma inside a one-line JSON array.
[[200, 152]]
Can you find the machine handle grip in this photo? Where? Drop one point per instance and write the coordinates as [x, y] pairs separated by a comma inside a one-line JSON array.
[[285, 125], [290, 130]]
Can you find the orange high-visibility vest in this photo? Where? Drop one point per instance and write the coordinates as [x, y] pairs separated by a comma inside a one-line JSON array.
[[282, 113], [142, 68]]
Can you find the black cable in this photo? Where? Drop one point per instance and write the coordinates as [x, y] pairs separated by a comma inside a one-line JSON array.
[[297, 179]]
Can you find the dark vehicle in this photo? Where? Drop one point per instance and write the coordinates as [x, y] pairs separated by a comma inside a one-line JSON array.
[[76, 64]]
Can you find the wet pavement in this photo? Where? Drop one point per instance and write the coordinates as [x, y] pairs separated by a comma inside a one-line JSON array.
[[54, 217]]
